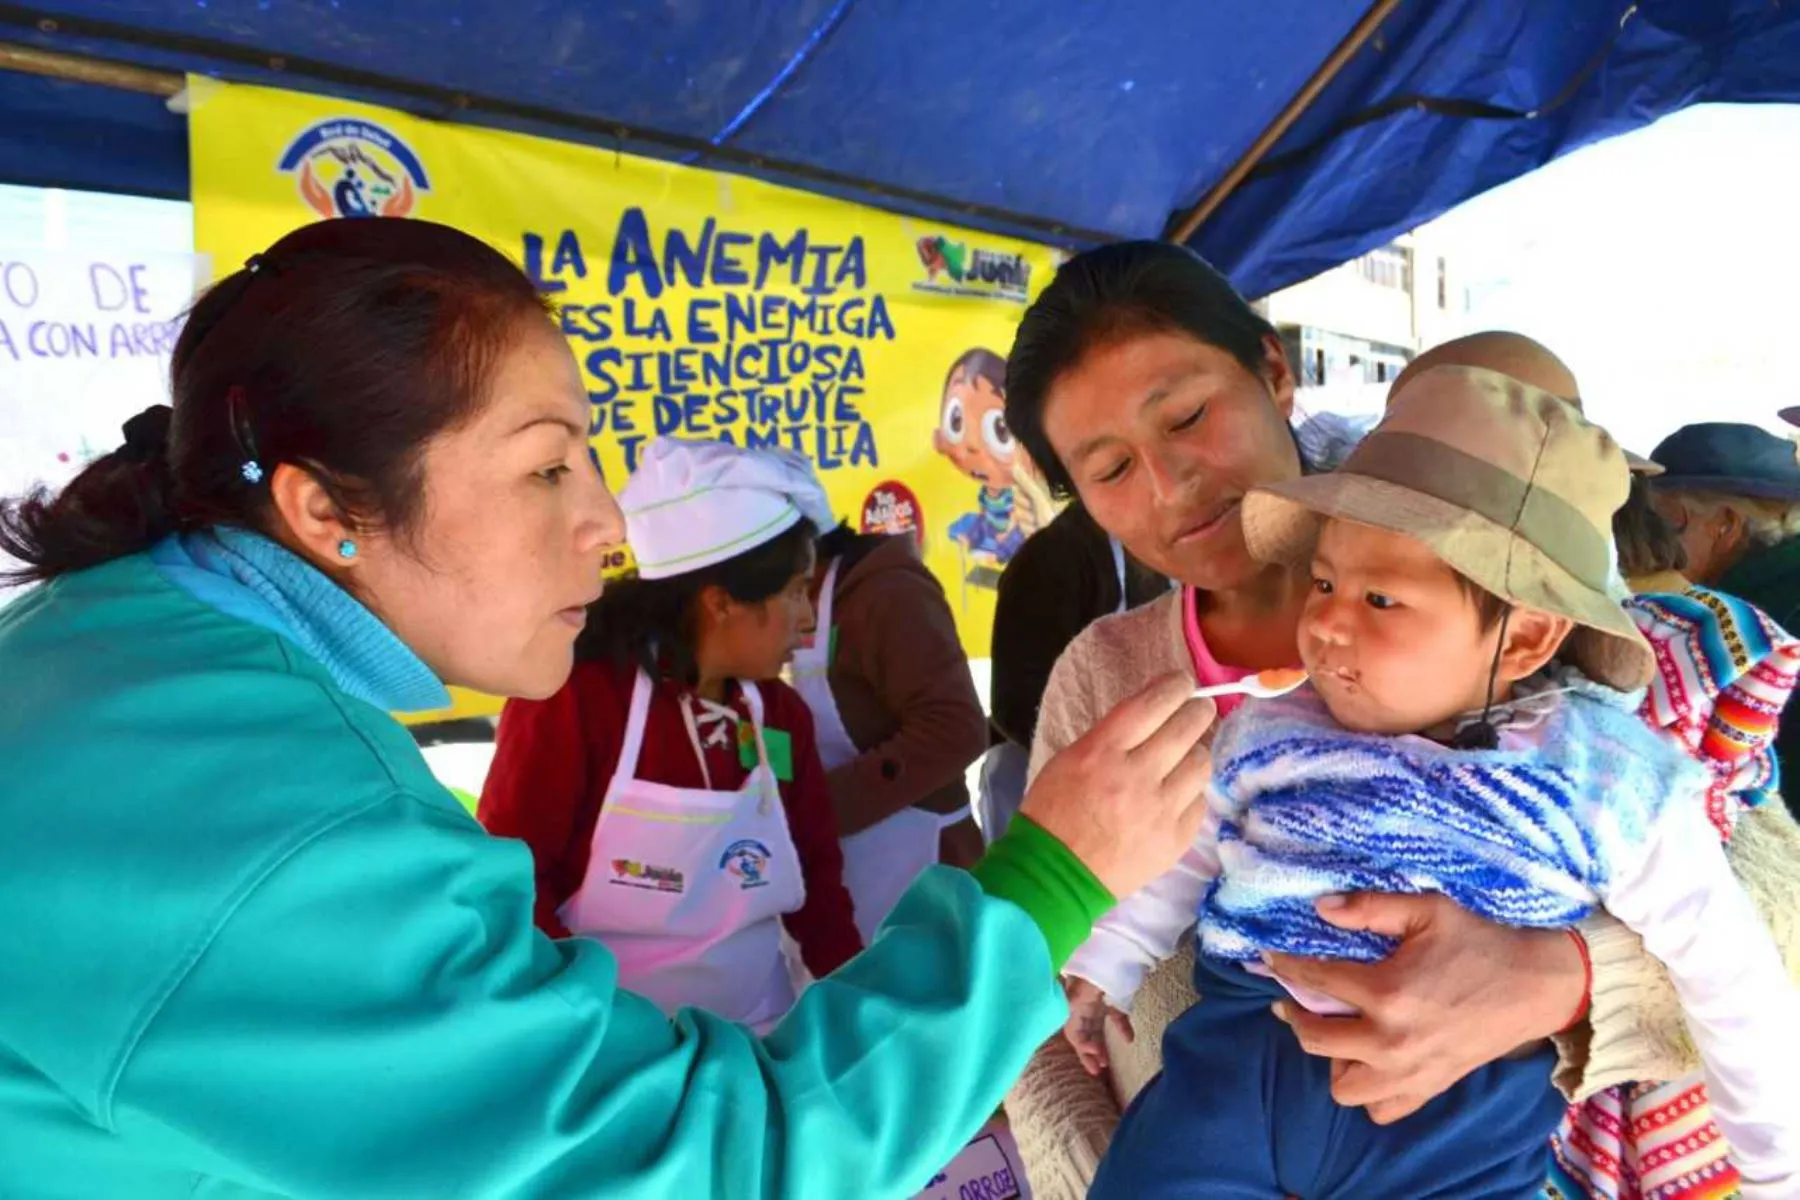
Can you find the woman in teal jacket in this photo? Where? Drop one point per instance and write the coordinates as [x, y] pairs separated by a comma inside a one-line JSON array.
[[248, 945]]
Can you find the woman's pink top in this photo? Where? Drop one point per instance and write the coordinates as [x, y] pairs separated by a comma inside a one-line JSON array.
[[1208, 671]]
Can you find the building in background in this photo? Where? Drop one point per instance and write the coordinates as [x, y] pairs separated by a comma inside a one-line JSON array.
[[1361, 323]]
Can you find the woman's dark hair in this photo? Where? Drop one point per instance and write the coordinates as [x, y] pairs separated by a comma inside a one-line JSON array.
[[979, 364], [344, 349], [1115, 292], [1647, 542], [649, 623]]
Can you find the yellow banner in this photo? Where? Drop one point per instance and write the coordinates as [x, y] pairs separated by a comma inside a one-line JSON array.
[[698, 303]]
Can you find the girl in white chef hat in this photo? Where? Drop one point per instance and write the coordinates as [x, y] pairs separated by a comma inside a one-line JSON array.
[[671, 793]]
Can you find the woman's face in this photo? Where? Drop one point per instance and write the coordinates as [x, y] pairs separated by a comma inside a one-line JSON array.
[[492, 585], [755, 640], [1163, 435], [973, 434]]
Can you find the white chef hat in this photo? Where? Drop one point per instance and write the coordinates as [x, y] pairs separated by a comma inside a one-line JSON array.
[[692, 503]]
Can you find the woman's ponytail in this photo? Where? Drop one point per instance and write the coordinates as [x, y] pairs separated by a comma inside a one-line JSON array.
[[119, 505]]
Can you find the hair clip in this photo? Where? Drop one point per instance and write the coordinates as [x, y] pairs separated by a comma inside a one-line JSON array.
[[238, 415], [254, 263]]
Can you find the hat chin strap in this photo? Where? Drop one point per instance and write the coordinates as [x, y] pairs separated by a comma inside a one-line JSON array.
[[1482, 735]]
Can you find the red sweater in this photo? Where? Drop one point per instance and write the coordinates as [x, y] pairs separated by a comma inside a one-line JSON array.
[[555, 757]]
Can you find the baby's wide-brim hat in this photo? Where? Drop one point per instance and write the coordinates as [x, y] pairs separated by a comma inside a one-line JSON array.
[[1507, 484]]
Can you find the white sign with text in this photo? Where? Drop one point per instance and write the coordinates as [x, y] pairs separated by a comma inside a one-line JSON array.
[[85, 343]]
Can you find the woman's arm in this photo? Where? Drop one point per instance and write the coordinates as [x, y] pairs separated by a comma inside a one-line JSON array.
[[538, 791], [1677, 892], [824, 926], [404, 1031], [1062, 1116], [425, 1040], [1635, 1029], [1460, 992]]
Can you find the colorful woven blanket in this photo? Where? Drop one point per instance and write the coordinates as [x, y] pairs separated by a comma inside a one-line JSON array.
[[1725, 671]]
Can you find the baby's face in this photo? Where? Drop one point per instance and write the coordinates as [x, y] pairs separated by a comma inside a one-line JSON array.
[[1391, 640]]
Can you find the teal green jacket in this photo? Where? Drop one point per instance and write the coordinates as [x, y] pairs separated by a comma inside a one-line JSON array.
[[250, 947]]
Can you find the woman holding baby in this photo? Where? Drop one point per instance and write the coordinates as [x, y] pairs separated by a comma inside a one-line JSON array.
[[1146, 386]]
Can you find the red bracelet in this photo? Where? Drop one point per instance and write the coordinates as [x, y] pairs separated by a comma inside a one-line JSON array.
[[1587, 986]]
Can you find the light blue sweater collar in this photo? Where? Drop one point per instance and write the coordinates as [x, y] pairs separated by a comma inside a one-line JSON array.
[[247, 576]]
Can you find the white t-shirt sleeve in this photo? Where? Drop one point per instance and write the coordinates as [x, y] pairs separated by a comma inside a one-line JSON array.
[[1742, 1008], [1143, 930]]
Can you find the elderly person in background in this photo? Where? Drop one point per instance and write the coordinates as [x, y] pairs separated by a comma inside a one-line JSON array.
[[1733, 493]]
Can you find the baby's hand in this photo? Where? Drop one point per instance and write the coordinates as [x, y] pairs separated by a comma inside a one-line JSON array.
[[1086, 1029]]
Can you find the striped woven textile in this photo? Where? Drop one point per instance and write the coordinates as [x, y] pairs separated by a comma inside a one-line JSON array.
[[1725, 672], [1642, 1142]]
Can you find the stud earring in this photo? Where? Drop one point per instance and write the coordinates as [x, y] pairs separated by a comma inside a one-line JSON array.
[[346, 549]]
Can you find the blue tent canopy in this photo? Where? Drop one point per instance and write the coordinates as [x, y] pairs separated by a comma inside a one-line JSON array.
[[1063, 122]]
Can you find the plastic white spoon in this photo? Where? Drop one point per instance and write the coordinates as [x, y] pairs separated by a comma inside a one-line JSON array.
[[1264, 685]]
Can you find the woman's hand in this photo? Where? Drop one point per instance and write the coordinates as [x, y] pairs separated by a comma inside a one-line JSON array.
[[1459, 993], [1127, 797], [1086, 1027]]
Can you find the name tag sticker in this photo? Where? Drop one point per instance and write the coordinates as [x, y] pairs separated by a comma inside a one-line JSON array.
[[983, 1171], [781, 751]]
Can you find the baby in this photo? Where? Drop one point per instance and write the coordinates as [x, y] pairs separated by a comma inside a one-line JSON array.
[[1469, 729]]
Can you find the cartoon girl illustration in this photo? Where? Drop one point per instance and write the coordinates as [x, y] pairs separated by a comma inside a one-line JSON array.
[[972, 433]]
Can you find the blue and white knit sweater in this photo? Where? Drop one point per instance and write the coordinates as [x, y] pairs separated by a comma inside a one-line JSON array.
[[1522, 835]]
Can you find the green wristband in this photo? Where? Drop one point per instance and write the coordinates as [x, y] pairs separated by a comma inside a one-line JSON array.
[[1030, 867]]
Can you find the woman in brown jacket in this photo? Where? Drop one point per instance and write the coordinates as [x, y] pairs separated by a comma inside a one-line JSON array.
[[896, 714]]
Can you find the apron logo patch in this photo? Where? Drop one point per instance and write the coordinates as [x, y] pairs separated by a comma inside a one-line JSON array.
[[633, 874], [747, 859]]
